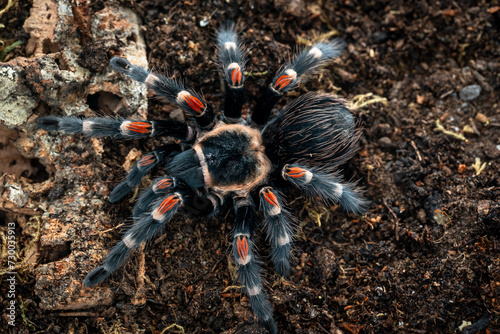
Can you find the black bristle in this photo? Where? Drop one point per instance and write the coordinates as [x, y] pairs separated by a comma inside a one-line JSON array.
[[352, 201], [48, 123], [119, 192], [306, 61], [122, 65], [144, 203], [317, 128], [96, 276], [168, 88]]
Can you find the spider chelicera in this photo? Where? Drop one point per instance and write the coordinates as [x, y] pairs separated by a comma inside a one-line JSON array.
[[228, 157]]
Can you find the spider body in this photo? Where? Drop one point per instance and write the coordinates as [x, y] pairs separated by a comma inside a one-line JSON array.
[[227, 157], [233, 159]]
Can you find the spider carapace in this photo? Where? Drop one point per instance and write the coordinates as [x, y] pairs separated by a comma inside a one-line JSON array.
[[223, 156]]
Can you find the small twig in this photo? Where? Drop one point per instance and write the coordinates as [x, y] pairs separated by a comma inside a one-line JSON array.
[[10, 3], [255, 74], [317, 37], [172, 326], [322, 328], [317, 215], [232, 287], [361, 101], [78, 314], [134, 195], [215, 266], [108, 230], [440, 127], [416, 150], [396, 226], [438, 241]]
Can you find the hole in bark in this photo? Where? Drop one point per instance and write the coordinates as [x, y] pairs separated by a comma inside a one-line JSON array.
[[12, 160], [132, 38], [50, 47], [55, 253], [105, 102], [61, 63]]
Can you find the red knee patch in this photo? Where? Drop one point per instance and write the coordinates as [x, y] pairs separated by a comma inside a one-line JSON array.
[[242, 247], [147, 160], [168, 204], [270, 197], [283, 81], [194, 103], [236, 76], [295, 172], [139, 127], [163, 184]]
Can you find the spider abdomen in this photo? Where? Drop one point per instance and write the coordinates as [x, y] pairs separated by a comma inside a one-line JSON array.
[[315, 129]]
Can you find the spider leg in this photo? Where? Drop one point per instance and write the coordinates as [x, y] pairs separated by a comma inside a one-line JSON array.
[[118, 128], [193, 202], [232, 59], [279, 229], [249, 271], [329, 187], [141, 168], [142, 231], [289, 76], [193, 103], [160, 187]]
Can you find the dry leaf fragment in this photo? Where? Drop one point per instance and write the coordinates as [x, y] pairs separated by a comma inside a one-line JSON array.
[[493, 9]]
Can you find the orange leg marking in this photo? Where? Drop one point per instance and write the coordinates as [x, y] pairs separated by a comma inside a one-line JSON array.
[[168, 203], [296, 172], [163, 184], [139, 127], [194, 103], [147, 160], [236, 76], [271, 198], [242, 246], [283, 81]]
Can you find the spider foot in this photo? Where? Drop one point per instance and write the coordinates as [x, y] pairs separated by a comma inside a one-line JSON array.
[[329, 187], [279, 229]]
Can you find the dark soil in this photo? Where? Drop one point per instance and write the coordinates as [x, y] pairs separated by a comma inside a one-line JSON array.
[[424, 259]]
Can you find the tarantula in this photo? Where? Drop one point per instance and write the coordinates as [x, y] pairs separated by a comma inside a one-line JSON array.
[[226, 156]]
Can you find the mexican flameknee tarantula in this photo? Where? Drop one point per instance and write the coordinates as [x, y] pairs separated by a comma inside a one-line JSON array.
[[227, 156]]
